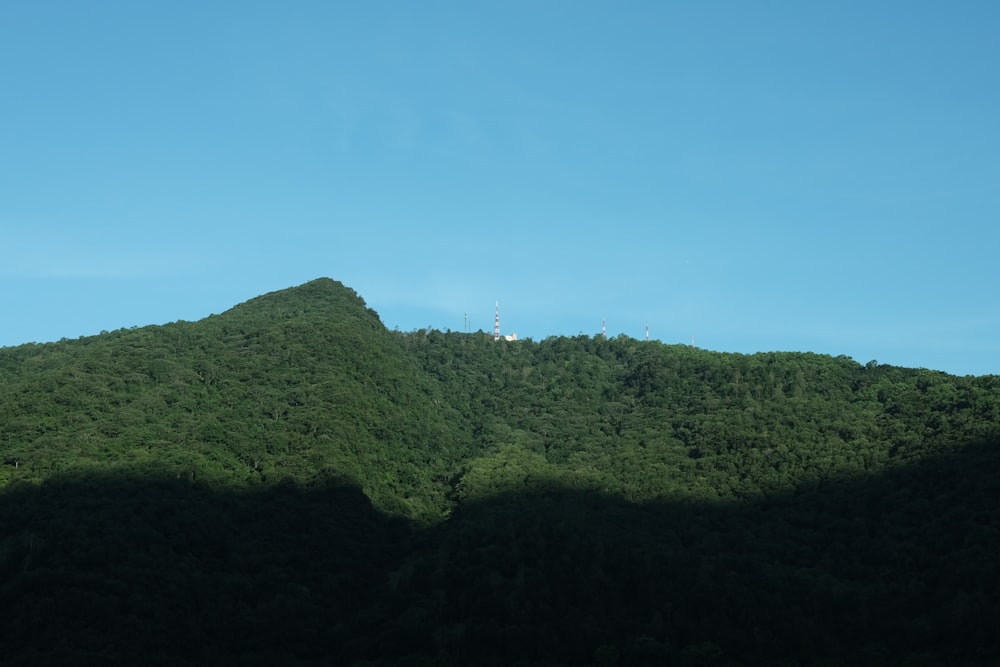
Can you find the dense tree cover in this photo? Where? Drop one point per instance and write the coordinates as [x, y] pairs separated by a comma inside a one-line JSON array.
[[897, 568], [145, 570], [290, 385], [290, 482], [894, 569], [646, 420]]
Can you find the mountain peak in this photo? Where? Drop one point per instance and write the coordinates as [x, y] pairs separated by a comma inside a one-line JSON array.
[[321, 295]]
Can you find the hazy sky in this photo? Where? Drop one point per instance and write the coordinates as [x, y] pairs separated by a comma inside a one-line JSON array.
[[759, 175]]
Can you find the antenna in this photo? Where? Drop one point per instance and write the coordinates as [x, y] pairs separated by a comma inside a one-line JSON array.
[[496, 324], [647, 329], [604, 328]]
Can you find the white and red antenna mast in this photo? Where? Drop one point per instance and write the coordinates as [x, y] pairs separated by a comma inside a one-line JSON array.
[[647, 330], [496, 324], [604, 328]]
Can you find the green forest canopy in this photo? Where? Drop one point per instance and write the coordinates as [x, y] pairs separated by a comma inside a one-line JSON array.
[[307, 384], [291, 482]]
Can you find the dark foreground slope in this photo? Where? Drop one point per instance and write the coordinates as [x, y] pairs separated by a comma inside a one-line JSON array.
[[102, 569], [890, 569], [893, 569]]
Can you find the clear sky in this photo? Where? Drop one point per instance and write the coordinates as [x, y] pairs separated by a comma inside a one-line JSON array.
[[805, 176]]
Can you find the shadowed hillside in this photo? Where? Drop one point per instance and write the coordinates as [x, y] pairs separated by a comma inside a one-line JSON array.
[[890, 569], [112, 569]]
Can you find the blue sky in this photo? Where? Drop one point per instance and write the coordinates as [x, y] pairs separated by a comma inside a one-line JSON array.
[[761, 176]]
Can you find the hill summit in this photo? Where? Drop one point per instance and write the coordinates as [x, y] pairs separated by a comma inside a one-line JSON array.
[[322, 296], [297, 384]]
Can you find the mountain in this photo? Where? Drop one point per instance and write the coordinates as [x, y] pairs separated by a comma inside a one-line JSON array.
[[301, 384], [289, 482]]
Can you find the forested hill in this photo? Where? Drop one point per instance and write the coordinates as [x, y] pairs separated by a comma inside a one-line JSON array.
[[306, 383], [645, 420], [289, 482], [300, 384]]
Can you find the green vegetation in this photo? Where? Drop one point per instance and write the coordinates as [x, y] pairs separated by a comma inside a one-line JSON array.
[[289, 482], [296, 385]]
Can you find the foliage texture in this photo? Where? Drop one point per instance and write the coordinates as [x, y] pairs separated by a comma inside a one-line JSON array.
[[289, 482]]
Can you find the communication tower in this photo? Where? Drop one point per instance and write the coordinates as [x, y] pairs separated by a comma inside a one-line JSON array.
[[496, 324]]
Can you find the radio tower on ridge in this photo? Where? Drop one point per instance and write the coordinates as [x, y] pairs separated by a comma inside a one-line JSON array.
[[496, 324]]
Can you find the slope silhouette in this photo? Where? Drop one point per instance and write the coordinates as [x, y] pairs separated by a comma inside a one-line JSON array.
[[103, 569], [897, 568]]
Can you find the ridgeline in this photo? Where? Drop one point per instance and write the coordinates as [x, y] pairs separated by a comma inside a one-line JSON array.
[[289, 482]]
